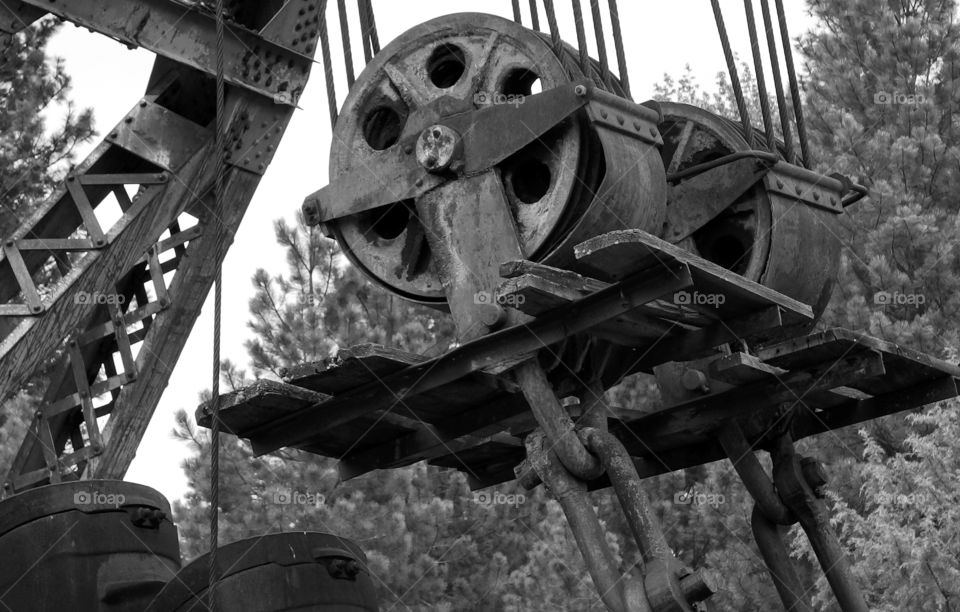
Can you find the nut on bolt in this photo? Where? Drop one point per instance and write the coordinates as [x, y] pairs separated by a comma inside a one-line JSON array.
[[344, 568], [311, 210], [438, 148], [695, 380]]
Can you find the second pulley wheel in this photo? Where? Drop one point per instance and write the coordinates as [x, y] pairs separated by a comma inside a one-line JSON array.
[[765, 235]]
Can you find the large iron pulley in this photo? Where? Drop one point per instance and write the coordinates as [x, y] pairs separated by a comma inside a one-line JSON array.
[[765, 231], [543, 158]]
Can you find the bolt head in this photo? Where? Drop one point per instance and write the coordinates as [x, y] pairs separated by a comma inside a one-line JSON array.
[[437, 148]]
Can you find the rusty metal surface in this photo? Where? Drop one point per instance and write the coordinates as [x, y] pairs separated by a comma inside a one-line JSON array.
[[807, 505], [276, 572], [99, 545], [696, 201], [571, 493], [165, 130], [779, 232], [556, 422], [185, 34], [475, 72], [477, 58], [770, 541], [488, 351]]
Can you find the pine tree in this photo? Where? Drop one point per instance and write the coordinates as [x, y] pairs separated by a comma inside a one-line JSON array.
[[432, 543], [32, 160]]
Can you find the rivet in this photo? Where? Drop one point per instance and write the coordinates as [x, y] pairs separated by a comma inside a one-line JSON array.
[[779, 184], [620, 119], [637, 125], [798, 190], [419, 183], [816, 196], [603, 114]]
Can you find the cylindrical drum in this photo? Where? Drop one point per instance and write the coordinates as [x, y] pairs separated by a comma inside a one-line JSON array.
[[768, 238], [271, 573], [86, 545]]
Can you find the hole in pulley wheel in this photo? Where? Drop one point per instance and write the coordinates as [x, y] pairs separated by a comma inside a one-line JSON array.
[[530, 180], [446, 65], [388, 222], [382, 127], [521, 82]]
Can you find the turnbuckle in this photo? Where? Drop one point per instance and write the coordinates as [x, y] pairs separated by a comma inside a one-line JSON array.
[[794, 495]]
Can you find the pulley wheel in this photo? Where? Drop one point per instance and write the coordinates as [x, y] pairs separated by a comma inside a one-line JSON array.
[[782, 244], [460, 63]]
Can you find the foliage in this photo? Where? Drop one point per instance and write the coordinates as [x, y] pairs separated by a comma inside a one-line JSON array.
[[32, 157], [32, 160], [433, 547]]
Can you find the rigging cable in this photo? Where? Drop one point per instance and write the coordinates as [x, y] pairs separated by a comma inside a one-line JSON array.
[[761, 80], [618, 42], [778, 82], [534, 15], [345, 36], [732, 70], [218, 187], [328, 63], [794, 88], [601, 43], [581, 37]]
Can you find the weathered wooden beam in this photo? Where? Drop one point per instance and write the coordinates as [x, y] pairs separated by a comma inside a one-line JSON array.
[[485, 352]]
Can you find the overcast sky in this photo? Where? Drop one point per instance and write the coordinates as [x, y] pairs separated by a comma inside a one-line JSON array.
[[660, 37]]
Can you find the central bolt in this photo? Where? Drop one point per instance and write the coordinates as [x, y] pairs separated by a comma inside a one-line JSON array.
[[438, 147]]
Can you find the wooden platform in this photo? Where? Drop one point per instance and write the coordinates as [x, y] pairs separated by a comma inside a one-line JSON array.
[[376, 408]]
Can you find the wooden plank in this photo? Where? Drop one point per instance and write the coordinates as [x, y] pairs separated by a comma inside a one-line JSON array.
[[905, 367], [535, 296], [350, 368], [509, 415], [615, 255], [55, 244], [27, 289], [692, 420], [261, 401], [480, 354]]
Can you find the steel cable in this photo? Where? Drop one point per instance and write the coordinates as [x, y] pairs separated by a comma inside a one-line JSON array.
[[618, 42], [218, 187], [761, 80], [732, 70], [794, 87]]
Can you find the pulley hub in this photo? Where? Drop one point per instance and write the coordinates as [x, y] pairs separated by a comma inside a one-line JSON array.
[[438, 147]]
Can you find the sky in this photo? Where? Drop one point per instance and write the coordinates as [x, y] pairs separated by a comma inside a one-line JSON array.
[[660, 37]]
